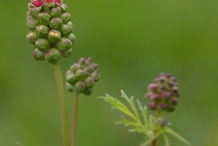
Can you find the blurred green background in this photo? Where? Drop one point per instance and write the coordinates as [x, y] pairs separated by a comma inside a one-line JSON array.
[[132, 41]]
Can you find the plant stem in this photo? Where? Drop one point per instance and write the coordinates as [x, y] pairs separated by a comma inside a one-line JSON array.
[[62, 105], [74, 120], [154, 142]]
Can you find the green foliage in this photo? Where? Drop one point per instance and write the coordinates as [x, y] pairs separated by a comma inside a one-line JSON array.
[[150, 127]]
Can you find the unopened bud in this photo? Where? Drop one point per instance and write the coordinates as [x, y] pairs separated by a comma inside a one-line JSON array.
[[152, 106], [70, 23], [54, 36], [64, 44], [69, 87], [72, 38], [42, 31], [34, 12], [32, 37], [32, 24], [66, 53], [95, 75], [80, 87], [87, 91], [44, 18], [42, 44], [46, 8], [71, 79], [53, 55], [80, 75], [163, 105], [38, 55], [153, 87], [82, 63], [89, 81], [65, 17], [55, 12], [55, 23], [74, 67], [64, 8], [66, 30], [89, 61]]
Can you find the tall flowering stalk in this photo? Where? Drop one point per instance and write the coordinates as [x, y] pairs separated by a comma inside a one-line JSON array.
[[50, 32], [81, 78]]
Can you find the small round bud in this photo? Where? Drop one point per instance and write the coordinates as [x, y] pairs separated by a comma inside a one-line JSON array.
[[54, 36], [170, 109], [64, 44], [152, 106], [32, 24], [32, 37], [37, 3], [80, 87], [175, 91], [89, 81], [42, 44], [55, 12], [163, 122], [67, 73], [165, 94], [70, 23], [95, 75], [66, 53], [38, 55], [94, 66], [174, 101], [74, 67], [69, 87], [72, 38], [71, 79], [44, 18], [88, 70], [29, 17], [87, 91], [80, 75], [148, 96], [64, 8], [66, 30], [153, 87], [55, 23], [34, 12], [65, 17], [89, 61], [163, 106], [42, 31], [46, 8], [53, 56], [156, 97], [82, 63]]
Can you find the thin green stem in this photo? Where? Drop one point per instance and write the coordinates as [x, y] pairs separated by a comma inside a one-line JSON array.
[[74, 120], [154, 142], [62, 105]]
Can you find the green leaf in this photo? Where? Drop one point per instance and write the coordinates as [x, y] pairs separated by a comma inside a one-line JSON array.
[[119, 106], [173, 133], [166, 139], [156, 135], [144, 112], [127, 122], [131, 103]]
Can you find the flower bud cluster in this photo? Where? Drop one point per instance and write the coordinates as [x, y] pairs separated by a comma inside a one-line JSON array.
[[163, 93], [82, 76], [50, 30]]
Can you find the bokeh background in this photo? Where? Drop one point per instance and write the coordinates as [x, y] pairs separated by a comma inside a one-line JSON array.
[[132, 41]]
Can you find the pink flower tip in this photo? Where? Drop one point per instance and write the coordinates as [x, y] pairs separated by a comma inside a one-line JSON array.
[[57, 1], [37, 3]]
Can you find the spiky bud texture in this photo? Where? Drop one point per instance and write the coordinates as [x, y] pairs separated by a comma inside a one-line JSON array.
[[49, 27], [82, 76], [163, 93]]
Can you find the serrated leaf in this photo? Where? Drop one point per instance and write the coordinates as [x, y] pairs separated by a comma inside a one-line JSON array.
[[173, 133], [127, 122], [144, 112]]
